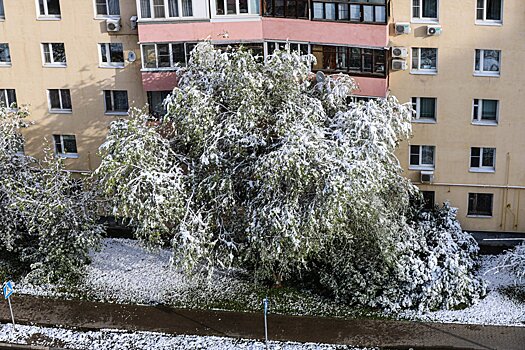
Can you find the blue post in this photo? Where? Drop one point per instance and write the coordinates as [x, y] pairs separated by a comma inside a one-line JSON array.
[[265, 302]]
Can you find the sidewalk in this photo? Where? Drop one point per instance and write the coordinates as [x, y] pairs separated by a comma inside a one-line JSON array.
[[398, 334]]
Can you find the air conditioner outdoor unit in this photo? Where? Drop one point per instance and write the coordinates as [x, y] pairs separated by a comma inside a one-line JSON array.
[[427, 177], [402, 28], [399, 52], [113, 24], [434, 30], [399, 65]]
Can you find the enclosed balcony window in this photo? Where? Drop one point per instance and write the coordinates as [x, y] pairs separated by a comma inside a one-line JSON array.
[[367, 11], [286, 8], [166, 8], [236, 7], [351, 60], [166, 56]]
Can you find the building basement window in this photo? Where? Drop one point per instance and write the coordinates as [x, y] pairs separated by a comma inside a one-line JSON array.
[[480, 204], [66, 146]]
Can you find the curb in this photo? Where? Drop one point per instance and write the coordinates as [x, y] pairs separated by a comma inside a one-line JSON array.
[[26, 347]]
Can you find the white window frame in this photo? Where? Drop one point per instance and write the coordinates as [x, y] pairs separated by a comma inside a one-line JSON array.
[[237, 10], [173, 65], [110, 64], [112, 95], [476, 119], [417, 110], [421, 166], [60, 110], [419, 70], [97, 16], [482, 168], [65, 154], [418, 18], [6, 98], [481, 72], [46, 16], [486, 21], [166, 11], [266, 52], [52, 63]]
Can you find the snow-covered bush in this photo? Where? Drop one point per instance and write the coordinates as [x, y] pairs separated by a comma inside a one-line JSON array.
[[514, 261], [257, 166], [48, 218]]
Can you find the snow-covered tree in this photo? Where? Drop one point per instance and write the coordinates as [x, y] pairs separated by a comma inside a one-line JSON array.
[[259, 166], [48, 217], [513, 261]]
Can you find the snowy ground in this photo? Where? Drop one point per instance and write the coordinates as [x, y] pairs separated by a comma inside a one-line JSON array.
[[112, 339], [123, 272]]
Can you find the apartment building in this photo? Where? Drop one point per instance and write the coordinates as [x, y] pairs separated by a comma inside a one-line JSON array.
[[58, 57], [458, 62]]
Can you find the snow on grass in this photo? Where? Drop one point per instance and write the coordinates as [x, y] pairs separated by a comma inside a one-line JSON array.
[[117, 340], [497, 308]]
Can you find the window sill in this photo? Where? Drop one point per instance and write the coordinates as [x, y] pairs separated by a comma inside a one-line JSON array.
[[489, 24], [104, 17], [116, 113], [170, 19], [61, 111], [490, 75], [485, 123], [68, 155], [111, 67], [171, 69], [48, 18], [5, 64], [474, 216], [423, 72], [424, 121], [481, 170], [50, 65], [424, 20], [421, 167]]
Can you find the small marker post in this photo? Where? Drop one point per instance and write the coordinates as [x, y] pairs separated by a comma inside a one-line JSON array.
[[265, 302], [8, 290]]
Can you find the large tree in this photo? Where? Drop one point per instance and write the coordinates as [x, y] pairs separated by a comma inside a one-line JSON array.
[[258, 165]]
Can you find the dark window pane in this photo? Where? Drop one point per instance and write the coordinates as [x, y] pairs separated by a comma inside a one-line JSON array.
[[173, 8], [219, 5], [430, 8], [231, 7], [491, 60], [59, 52], [149, 56], [70, 144], [488, 157], [54, 99], [427, 108], [187, 8], [145, 9], [494, 10], [291, 8], [5, 56], [268, 8], [102, 9], [58, 144], [53, 7], [116, 52], [427, 155], [489, 110], [279, 8], [343, 13], [429, 198], [164, 55], [302, 8], [158, 9], [120, 99], [475, 157], [243, 6], [107, 98], [156, 102], [66, 98]]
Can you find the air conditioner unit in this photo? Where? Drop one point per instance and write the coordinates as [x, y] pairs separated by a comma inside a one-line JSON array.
[[399, 52], [113, 24], [399, 65], [434, 30], [402, 28], [427, 177]]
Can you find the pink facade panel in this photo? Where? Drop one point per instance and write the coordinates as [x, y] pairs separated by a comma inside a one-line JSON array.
[[159, 81], [374, 87]]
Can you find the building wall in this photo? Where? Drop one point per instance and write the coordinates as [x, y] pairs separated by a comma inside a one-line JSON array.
[[81, 32], [455, 86]]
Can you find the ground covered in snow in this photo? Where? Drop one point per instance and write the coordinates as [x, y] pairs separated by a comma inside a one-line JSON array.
[[112, 339], [123, 272]]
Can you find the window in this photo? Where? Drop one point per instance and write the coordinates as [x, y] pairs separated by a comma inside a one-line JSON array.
[[272, 46], [107, 7], [5, 55], [424, 60], [166, 56], [286, 8], [489, 10], [425, 9], [8, 98], [429, 200], [156, 102], [49, 8], [238, 7], [116, 101], [111, 55], [59, 100], [66, 146], [485, 111], [54, 54], [424, 108], [480, 204], [352, 60], [422, 157], [482, 159], [355, 11], [165, 8], [2, 12], [487, 62]]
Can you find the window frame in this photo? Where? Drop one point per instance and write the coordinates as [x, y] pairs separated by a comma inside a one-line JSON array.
[[110, 64], [64, 154], [273, 13], [349, 5], [419, 70], [174, 65], [279, 42], [420, 165], [9, 103], [486, 21], [112, 97], [46, 15], [166, 11], [477, 112], [419, 18], [10, 62], [472, 212], [334, 51], [213, 5], [52, 63], [481, 72], [60, 110], [482, 168], [101, 16], [417, 111]]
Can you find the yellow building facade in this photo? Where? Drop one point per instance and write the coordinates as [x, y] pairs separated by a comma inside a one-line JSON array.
[[464, 78]]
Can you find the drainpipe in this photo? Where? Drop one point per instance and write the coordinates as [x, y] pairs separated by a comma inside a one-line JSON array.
[[505, 193]]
